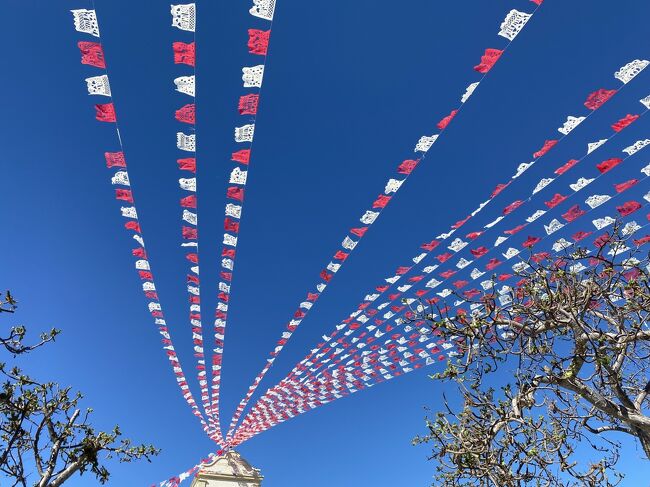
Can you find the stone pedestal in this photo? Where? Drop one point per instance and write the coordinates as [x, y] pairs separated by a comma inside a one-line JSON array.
[[228, 470]]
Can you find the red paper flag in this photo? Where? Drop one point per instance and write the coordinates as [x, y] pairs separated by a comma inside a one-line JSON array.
[[599, 97], [530, 241], [407, 166], [566, 167], [248, 104], [625, 186], [105, 112], [124, 195], [512, 207], [500, 187], [608, 164], [235, 193], [628, 207], [573, 213], [580, 235], [189, 201], [92, 54], [242, 156], [442, 124], [115, 159], [430, 246], [186, 114], [133, 225], [184, 53], [488, 60], [258, 41], [556, 200], [190, 233], [188, 164], [381, 201], [624, 122], [548, 145]]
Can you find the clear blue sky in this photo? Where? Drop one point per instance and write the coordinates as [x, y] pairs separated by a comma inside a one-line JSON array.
[[349, 88]]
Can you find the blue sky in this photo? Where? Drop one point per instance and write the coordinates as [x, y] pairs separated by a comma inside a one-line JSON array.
[[349, 88]]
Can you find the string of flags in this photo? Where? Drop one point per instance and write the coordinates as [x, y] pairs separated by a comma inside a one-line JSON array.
[[402, 353], [574, 212], [92, 55], [376, 342], [292, 399], [184, 19], [258, 41], [364, 315], [458, 244], [512, 26], [181, 477], [307, 400]]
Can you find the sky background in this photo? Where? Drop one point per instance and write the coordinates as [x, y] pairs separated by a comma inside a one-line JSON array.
[[349, 88]]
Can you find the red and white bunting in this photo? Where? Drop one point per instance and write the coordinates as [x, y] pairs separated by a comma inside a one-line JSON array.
[[258, 39], [512, 25], [594, 101], [181, 477], [92, 54], [574, 212], [184, 18], [401, 354], [361, 314]]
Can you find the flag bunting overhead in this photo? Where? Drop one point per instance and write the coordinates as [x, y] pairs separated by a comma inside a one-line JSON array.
[[184, 49], [92, 55], [383, 337], [364, 315], [512, 26], [408, 348]]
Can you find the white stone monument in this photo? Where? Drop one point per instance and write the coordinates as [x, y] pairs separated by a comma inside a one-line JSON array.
[[228, 470]]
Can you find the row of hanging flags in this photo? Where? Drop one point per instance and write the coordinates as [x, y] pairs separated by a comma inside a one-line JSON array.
[[352, 348], [184, 18], [511, 26], [258, 38], [352, 357], [98, 85], [184, 56]]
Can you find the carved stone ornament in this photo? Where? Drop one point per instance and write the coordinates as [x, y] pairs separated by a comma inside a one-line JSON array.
[[228, 470]]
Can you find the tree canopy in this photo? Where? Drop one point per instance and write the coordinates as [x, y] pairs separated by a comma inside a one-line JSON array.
[[557, 364], [45, 436]]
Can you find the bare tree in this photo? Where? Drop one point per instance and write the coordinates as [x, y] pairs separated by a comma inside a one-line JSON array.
[[45, 438], [549, 371], [13, 342]]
